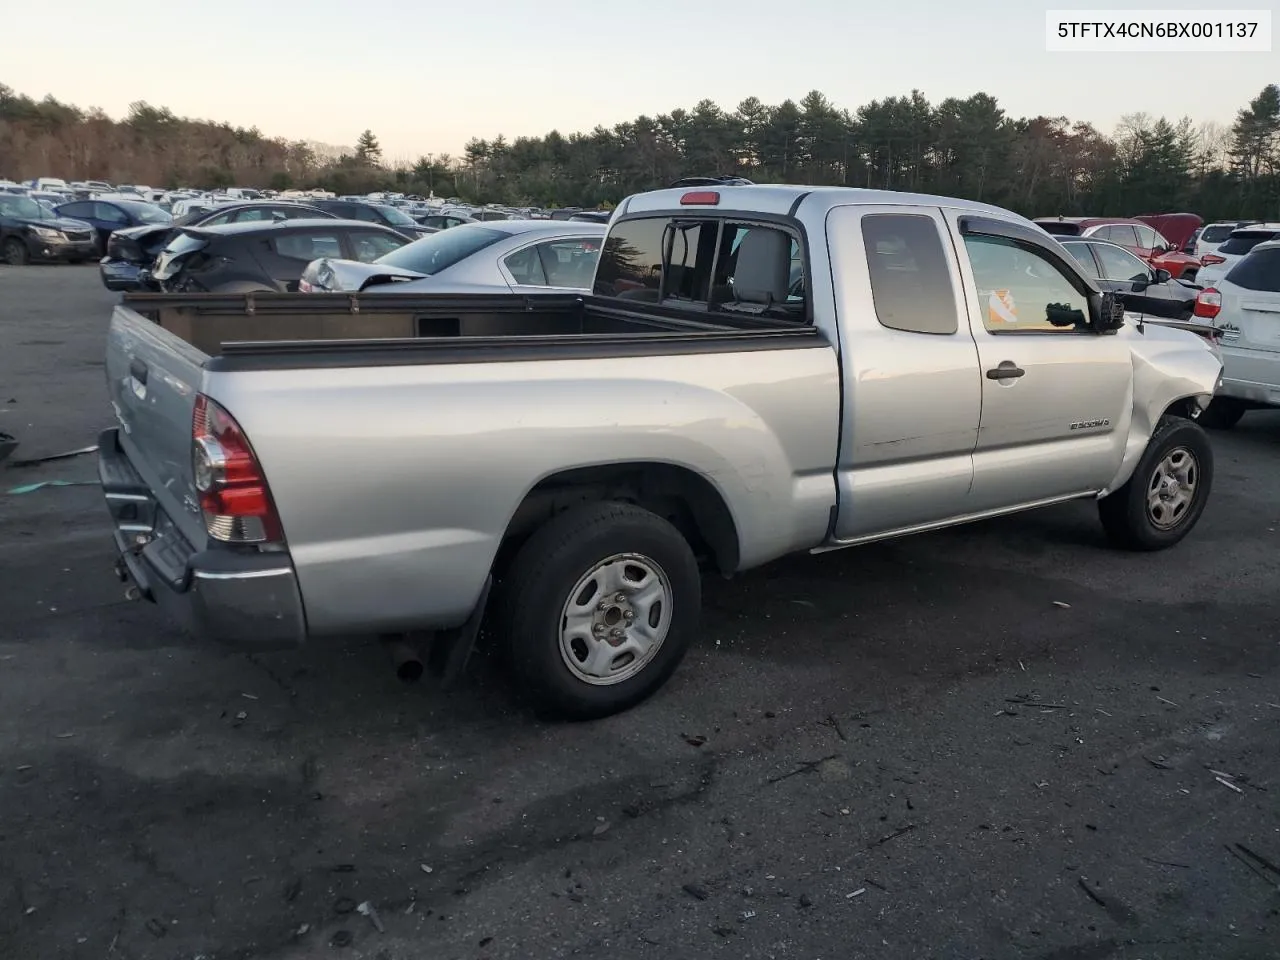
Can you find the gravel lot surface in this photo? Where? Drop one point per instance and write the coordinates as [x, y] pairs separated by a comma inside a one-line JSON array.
[[1004, 740]]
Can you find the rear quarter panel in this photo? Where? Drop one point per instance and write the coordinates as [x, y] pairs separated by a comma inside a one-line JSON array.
[[395, 484]]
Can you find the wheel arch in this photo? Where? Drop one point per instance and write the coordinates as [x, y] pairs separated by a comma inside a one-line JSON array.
[[684, 497]]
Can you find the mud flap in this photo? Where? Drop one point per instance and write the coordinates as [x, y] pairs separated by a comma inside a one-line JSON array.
[[451, 649]]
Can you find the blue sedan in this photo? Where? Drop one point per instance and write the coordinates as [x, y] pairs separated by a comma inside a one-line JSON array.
[[107, 216]]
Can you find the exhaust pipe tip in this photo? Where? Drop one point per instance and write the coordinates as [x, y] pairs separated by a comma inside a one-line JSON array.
[[409, 666], [410, 671]]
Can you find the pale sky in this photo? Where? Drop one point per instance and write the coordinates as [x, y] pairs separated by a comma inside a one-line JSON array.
[[427, 76]]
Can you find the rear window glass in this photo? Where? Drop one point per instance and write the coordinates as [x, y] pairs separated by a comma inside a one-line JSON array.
[[631, 262], [396, 217], [1242, 241], [1258, 271], [1058, 228], [308, 246], [146, 212], [1216, 234], [442, 250], [910, 279]]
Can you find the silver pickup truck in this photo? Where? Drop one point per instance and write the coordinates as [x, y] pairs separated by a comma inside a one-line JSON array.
[[758, 370]]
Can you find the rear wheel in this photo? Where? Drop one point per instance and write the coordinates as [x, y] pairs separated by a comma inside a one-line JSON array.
[[1167, 493], [15, 252], [600, 606], [1223, 413]]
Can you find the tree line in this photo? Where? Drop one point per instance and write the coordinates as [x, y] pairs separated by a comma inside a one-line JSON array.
[[959, 147]]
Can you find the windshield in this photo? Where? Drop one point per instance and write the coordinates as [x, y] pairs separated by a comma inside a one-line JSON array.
[[442, 250], [1216, 233], [24, 207], [147, 212], [1242, 241], [395, 217]]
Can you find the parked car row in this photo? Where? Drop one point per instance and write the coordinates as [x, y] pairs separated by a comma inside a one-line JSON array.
[[1134, 235], [288, 247]]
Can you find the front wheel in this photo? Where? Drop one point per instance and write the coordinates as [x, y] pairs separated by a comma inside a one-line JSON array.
[[15, 253], [601, 605], [1164, 498]]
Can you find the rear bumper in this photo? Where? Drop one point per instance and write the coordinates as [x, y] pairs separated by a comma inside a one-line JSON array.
[[1251, 375], [245, 600], [120, 274]]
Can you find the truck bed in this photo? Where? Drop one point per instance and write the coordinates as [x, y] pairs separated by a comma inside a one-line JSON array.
[[291, 330]]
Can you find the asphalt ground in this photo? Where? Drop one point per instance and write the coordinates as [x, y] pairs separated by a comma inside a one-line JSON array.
[[1005, 740]]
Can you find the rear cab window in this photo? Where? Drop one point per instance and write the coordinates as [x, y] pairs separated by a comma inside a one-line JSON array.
[[731, 265]]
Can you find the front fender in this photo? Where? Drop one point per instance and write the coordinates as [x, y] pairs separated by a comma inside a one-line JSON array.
[[1169, 366]]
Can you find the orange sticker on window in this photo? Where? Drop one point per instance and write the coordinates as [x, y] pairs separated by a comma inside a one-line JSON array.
[[1001, 309]]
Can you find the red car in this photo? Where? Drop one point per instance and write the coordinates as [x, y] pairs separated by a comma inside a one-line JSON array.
[[1137, 237]]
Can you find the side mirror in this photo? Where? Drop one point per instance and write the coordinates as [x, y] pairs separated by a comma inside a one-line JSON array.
[[1106, 312], [1162, 276]]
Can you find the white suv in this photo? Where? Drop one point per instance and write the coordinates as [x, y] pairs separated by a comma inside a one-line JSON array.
[[1213, 235], [1243, 239], [1245, 306]]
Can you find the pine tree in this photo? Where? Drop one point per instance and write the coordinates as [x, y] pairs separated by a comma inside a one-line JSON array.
[[367, 149]]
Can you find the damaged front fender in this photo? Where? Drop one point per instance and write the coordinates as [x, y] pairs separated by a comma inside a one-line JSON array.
[[1174, 371]]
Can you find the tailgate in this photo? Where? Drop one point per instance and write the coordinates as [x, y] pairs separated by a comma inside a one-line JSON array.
[[153, 377], [1259, 322]]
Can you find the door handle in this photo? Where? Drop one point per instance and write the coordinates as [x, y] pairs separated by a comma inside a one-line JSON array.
[[1008, 370], [138, 370]]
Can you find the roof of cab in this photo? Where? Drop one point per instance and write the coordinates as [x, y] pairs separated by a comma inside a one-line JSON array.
[[780, 199]]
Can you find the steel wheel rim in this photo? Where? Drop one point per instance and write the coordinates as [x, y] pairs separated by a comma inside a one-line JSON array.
[[615, 619], [1172, 488]]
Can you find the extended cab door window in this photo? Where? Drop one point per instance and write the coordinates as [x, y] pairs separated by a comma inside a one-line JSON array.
[[910, 282]]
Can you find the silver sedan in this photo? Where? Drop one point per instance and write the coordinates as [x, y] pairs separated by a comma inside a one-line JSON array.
[[524, 256]]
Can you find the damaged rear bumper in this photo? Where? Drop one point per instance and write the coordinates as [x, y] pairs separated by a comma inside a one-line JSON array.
[[249, 600]]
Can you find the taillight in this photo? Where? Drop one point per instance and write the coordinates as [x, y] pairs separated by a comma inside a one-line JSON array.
[[1208, 303], [1209, 259], [233, 492]]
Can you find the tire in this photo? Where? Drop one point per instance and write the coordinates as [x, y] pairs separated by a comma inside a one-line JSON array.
[[1139, 516], [15, 253], [1223, 413], [578, 551]]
